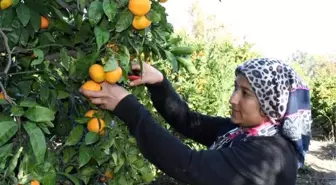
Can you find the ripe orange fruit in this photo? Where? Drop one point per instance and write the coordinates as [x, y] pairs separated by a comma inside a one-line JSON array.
[[44, 23], [140, 22], [108, 174], [90, 113], [34, 182], [2, 95], [139, 7], [163, 1], [91, 86], [4, 4], [113, 76], [97, 73], [94, 126]]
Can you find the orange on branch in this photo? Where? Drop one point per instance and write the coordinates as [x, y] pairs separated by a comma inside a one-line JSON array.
[[94, 126], [34, 182], [91, 86], [90, 113], [114, 76], [140, 22], [108, 174], [2, 95], [44, 23], [139, 7], [97, 73], [4, 4]]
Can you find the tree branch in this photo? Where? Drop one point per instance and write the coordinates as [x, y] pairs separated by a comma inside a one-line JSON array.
[[9, 60]]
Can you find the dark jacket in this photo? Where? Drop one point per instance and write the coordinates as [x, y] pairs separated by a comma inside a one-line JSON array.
[[255, 161]]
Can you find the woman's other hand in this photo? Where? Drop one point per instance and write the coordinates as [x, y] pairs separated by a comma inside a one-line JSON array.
[[108, 98], [149, 75]]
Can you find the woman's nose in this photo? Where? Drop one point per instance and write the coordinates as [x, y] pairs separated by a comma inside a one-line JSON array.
[[234, 99]]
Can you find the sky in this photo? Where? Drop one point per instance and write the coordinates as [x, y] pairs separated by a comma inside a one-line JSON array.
[[277, 28]]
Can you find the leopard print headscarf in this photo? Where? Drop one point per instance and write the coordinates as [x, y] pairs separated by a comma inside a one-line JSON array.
[[283, 96]]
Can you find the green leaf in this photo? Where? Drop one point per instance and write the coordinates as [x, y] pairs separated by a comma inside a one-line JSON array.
[[122, 3], [75, 135], [14, 161], [153, 16], [24, 37], [124, 57], [40, 57], [62, 94], [6, 150], [17, 111], [111, 64], [86, 173], [7, 131], [110, 9], [5, 117], [102, 36], [84, 155], [44, 92], [125, 21], [68, 154], [91, 138], [95, 12], [65, 59], [83, 64], [35, 20], [40, 114], [37, 141], [172, 59], [25, 87], [82, 120], [16, 27], [43, 127], [15, 2], [28, 102], [71, 177], [7, 17], [23, 13]]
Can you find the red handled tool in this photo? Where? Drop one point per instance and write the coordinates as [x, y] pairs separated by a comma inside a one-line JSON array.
[[134, 75]]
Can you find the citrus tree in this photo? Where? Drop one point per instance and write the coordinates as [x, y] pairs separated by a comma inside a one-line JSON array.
[[50, 133]]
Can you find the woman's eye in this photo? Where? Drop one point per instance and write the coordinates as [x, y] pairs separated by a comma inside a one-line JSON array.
[[245, 93]]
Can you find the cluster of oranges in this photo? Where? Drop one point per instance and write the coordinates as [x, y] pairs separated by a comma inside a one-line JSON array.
[[95, 124], [98, 75], [139, 9]]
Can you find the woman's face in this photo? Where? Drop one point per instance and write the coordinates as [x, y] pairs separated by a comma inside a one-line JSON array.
[[246, 109]]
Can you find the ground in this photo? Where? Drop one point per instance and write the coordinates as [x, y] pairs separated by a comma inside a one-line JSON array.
[[320, 165]]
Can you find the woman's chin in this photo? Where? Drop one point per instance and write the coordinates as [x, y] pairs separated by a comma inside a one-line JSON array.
[[235, 120]]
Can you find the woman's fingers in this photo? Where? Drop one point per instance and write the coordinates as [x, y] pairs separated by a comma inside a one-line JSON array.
[[136, 82], [136, 66], [97, 101], [96, 94]]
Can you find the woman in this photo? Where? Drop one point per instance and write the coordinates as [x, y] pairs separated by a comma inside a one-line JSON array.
[[261, 144]]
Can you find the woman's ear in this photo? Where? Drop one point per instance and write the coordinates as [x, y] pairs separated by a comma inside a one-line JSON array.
[[262, 113]]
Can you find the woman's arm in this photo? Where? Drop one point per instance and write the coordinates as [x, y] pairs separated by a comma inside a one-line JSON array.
[[175, 111], [247, 164]]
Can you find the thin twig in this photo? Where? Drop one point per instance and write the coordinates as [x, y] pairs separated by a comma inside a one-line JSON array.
[[57, 55], [6, 29], [24, 72], [7, 98], [64, 4], [9, 61]]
